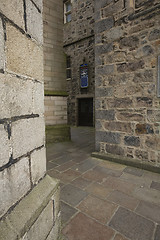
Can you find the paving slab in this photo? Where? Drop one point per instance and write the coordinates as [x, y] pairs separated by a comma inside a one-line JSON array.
[[123, 199], [157, 234], [149, 210], [99, 209], [155, 185], [132, 225], [98, 190], [82, 227], [85, 165], [66, 212], [81, 182], [134, 171], [72, 195], [102, 200]]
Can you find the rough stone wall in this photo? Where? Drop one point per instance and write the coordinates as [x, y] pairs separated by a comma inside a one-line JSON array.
[[127, 107], [22, 149], [79, 45]]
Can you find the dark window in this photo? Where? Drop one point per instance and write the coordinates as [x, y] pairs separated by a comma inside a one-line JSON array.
[[68, 69]]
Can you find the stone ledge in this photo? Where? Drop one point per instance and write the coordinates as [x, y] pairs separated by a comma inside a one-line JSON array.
[[57, 133], [127, 161], [23, 216], [55, 93]]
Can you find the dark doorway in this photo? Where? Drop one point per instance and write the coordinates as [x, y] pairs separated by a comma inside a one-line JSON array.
[[85, 112]]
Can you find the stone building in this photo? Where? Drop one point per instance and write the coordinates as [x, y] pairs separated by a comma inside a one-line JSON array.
[[78, 35], [54, 72], [29, 198], [127, 46]]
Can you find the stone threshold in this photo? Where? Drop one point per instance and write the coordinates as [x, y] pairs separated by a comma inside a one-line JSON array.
[[127, 161], [27, 211]]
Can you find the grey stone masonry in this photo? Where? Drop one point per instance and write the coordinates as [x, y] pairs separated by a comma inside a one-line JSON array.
[[127, 38]]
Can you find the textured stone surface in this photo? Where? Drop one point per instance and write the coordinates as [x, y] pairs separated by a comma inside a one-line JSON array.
[[4, 146], [157, 234], [66, 212], [72, 195], [1, 45], [38, 165], [34, 22], [23, 96], [76, 230], [26, 62], [25, 136], [101, 210], [128, 45], [155, 185], [15, 183], [123, 199], [43, 224], [149, 210], [15, 12], [129, 227]]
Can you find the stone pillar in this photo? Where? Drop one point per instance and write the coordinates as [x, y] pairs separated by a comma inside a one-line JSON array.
[[29, 200], [54, 72], [127, 106]]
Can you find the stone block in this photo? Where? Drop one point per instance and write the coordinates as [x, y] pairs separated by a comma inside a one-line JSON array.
[[20, 96], [104, 25], [113, 8], [54, 233], [4, 146], [109, 137], [15, 183], [38, 165], [34, 22], [27, 134], [154, 35], [39, 4], [30, 210], [114, 149], [131, 42], [43, 225], [118, 126], [132, 141], [104, 48], [23, 56], [15, 11], [105, 114], [144, 102], [56, 200], [120, 103], [131, 66], [2, 55], [104, 92], [144, 129]]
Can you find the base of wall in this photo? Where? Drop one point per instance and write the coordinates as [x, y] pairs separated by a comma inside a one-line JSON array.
[[127, 161], [57, 133], [36, 216]]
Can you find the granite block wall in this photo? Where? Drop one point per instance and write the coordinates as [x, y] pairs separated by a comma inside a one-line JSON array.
[[22, 128], [127, 45]]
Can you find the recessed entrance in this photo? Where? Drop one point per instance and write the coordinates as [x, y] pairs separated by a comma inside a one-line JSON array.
[[85, 112]]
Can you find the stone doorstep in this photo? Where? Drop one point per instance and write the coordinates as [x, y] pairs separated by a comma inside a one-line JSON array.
[[27, 211], [127, 161]]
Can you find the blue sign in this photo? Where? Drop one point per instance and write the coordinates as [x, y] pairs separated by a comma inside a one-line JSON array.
[[84, 75]]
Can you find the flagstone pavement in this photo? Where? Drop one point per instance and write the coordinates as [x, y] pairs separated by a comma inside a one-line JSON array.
[[101, 200]]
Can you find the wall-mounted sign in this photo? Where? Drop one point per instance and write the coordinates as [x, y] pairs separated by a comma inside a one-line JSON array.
[[84, 75]]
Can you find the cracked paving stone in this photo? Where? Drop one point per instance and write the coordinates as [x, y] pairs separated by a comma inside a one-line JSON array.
[[132, 225]]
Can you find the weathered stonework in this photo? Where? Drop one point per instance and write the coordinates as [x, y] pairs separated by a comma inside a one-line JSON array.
[[54, 65], [78, 38], [126, 51], [29, 199]]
